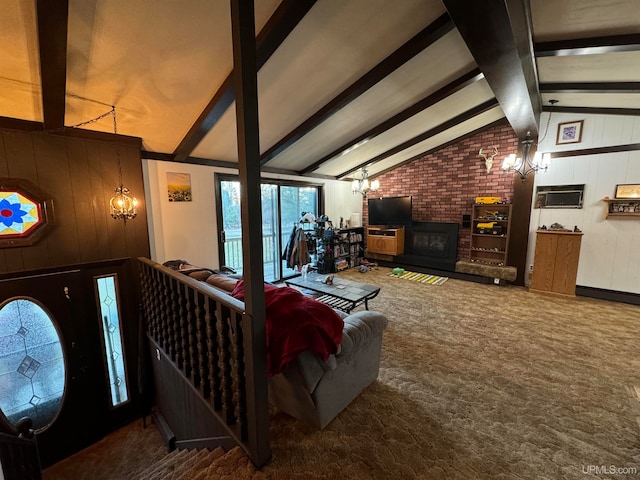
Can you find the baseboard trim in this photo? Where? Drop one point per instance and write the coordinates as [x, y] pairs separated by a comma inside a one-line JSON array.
[[611, 295], [165, 430]]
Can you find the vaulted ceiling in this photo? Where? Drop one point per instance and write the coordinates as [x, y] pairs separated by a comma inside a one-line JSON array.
[[341, 84]]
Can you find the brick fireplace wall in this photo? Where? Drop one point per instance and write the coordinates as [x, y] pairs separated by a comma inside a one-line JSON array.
[[444, 183]]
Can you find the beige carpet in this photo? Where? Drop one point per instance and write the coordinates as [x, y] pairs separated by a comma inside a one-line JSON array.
[[477, 382]]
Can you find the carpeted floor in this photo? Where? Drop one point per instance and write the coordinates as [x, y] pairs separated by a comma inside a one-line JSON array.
[[477, 382]]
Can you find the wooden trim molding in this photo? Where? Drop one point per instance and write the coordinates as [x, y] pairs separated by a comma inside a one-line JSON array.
[[630, 147]]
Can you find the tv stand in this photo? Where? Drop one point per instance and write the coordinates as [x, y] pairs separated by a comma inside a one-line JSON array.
[[386, 241]]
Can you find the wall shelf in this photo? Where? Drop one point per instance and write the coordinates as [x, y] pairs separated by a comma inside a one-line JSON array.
[[622, 207]]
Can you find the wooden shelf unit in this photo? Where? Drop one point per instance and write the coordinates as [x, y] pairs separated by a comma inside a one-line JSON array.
[[555, 264], [348, 247], [622, 207], [490, 248], [386, 241]]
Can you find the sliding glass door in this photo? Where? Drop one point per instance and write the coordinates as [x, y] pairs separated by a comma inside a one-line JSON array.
[[282, 207]]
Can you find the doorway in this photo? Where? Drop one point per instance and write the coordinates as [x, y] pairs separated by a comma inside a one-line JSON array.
[[63, 356], [282, 207]]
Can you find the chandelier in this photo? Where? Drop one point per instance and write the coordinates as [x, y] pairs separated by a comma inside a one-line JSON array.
[[122, 206], [525, 165], [362, 185]]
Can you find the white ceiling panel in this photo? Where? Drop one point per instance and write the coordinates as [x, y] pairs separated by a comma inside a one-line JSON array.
[[451, 134], [329, 50], [20, 89], [443, 111], [413, 81], [560, 20], [612, 67], [159, 63]]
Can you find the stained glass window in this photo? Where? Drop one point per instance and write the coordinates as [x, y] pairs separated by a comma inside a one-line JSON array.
[[32, 366], [112, 337], [26, 212], [18, 214]]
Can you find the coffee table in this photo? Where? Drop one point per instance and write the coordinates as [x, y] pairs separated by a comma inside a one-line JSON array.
[[343, 294]]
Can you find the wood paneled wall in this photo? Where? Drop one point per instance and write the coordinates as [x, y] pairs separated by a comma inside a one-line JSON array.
[[80, 175]]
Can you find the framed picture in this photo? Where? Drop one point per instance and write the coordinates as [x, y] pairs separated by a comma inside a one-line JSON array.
[[569, 132], [627, 191], [179, 187]]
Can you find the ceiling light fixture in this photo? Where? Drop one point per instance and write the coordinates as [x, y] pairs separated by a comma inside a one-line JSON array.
[[122, 206], [362, 185], [524, 166]]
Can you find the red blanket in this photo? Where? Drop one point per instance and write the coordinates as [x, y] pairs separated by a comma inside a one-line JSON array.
[[296, 323]]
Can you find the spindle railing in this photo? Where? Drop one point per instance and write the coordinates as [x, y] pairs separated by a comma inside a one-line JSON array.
[[208, 337], [18, 450]]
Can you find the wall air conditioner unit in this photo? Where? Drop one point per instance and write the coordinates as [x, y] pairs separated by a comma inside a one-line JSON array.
[[559, 196]]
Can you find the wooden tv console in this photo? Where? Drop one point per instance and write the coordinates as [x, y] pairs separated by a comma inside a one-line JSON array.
[[386, 241]]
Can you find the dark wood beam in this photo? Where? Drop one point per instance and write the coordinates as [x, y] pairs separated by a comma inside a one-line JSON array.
[[52, 16], [276, 30], [629, 147], [463, 117], [589, 46], [593, 110], [168, 157], [245, 82], [430, 100], [590, 87], [498, 35], [410, 49], [440, 147]]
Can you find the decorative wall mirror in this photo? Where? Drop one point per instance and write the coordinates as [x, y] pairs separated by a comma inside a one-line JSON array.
[[26, 212]]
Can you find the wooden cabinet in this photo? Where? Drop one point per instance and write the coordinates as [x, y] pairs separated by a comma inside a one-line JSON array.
[[555, 264], [618, 207], [386, 241], [491, 225]]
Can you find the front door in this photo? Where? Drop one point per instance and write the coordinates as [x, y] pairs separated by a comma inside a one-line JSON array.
[[51, 364]]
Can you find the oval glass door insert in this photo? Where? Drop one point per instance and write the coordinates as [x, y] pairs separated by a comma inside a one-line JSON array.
[[32, 366]]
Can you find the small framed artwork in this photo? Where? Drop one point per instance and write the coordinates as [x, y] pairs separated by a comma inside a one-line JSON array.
[[569, 132], [179, 187], [627, 191]]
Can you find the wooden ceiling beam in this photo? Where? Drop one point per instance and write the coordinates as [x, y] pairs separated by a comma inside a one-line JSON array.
[[429, 35], [589, 46], [593, 110], [430, 100], [52, 17], [498, 35], [275, 31], [590, 87], [463, 117]]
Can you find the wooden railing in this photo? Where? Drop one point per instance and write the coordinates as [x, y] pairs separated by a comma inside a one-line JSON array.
[[207, 335], [18, 450]]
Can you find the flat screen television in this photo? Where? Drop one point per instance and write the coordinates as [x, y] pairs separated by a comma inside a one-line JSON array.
[[390, 211]]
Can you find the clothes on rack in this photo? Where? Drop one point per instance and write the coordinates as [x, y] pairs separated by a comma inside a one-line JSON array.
[[296, 252]]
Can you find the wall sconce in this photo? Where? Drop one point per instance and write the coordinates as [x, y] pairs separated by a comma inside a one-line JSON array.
[[524, 166], [362, 185], [488, 158]]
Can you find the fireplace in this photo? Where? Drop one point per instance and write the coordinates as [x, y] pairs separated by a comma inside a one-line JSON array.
[[431, 244]]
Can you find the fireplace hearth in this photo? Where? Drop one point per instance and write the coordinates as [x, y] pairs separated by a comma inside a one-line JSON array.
[[431, 245]]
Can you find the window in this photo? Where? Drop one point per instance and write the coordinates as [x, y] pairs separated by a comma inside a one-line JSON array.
[[32, 365], [112, 338], [282, 206]]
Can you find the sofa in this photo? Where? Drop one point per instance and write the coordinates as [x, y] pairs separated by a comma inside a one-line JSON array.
[[311, 387]]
